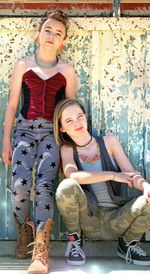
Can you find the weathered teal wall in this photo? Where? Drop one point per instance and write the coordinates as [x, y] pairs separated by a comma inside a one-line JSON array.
[[112, 59]]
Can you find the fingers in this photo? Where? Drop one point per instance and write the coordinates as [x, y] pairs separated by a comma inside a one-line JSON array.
[[6, 158], [148, 201], [130, 184]]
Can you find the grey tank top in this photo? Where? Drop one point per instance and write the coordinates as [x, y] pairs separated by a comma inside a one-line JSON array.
[[100, 190]]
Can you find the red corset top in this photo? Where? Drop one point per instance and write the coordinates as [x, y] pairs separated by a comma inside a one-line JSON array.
[[40, 96]]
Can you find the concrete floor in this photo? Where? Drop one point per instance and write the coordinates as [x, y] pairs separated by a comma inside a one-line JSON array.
[[101, 259]]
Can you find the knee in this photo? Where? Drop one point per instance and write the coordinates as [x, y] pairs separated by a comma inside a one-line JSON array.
[[140, 205], [66, 186], [18, 190]]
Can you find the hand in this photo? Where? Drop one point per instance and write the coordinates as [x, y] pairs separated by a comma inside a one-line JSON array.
[[7, 152], [124, 177]]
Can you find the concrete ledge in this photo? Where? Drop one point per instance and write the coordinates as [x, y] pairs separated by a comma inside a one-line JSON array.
[[58, 248]]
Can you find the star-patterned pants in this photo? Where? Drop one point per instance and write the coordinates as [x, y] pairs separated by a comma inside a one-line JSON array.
[[34, 145]]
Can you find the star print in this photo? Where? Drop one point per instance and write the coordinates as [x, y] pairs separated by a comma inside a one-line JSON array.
[[18, 163], [30, 168], [19, 121], [14, 173], [24, 182], [23, 135], [46, 185], [23, 200], [24, 152], [51, 194], [15, 193], [38, 222], [38, 193], [15, 215], [47, 207], [40, 175], [49, 146], [40, 126], [16, 145], [41, 156], [15, 131], [32, 144], [53, 164], [32, 127], [17, 208], [29, 191]]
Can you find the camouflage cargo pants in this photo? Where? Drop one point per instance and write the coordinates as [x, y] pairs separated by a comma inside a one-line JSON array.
[[132, 219]]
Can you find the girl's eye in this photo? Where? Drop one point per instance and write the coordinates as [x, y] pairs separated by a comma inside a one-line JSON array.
[[69, 121], [58, 34]]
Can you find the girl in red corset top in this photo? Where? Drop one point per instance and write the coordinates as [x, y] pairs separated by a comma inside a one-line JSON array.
[[44, 80]]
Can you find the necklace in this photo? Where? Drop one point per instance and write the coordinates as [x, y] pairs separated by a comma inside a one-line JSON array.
[[46, 64], [86, 143]]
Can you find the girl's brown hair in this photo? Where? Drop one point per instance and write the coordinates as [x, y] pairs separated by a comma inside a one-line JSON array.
[[57, 15], [62, 138]]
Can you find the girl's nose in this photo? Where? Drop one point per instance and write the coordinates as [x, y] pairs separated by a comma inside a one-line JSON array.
[[51, 36]]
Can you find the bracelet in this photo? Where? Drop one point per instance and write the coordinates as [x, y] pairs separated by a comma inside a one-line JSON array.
[[136, 175]]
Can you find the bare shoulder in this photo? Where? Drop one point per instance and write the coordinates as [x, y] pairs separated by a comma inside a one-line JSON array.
[[66, 149], [109, 138], [111, 141], [66, 67], [26, 62], [23, 64]]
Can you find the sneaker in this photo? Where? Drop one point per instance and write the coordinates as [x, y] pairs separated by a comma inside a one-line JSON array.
[[74, 253], [132, 252]]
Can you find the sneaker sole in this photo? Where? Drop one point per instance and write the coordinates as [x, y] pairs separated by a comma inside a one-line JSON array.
[[75, 263], [145, 263]]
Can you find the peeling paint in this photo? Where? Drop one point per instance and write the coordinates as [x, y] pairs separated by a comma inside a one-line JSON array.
[[112, 59]]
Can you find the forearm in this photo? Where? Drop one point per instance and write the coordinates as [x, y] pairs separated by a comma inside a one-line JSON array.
[[85, 177], [8, 123]]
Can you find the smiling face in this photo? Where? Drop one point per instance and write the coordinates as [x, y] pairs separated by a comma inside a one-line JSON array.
[[73, 121], [52, 34]]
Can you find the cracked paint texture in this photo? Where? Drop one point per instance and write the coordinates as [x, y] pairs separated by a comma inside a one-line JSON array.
[[112, 60]]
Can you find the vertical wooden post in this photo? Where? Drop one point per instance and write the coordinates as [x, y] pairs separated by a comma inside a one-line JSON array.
[[116, 8]]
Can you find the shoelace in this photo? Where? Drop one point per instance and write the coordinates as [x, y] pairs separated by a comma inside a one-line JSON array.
[[39, 252], [136, 249], [74, 249]]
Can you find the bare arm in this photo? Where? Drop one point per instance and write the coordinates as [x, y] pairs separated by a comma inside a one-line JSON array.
[[87, 177], [114, 147], [15, 89], [71, 79]]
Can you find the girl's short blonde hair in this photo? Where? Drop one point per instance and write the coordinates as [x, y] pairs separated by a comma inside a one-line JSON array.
[[62, 138]]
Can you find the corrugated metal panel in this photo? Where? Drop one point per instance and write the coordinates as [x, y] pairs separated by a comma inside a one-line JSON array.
[[112, 59]]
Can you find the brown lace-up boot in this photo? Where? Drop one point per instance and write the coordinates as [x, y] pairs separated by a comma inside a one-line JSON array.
[[24, 238], [39, 264]]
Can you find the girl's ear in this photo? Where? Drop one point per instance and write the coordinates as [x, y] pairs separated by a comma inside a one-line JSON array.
[[61, 129], [61, 47]]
